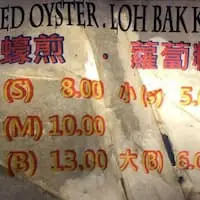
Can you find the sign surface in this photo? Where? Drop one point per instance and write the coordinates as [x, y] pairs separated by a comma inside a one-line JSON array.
[[101, 100]]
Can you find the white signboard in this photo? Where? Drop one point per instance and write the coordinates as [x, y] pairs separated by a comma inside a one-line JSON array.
[[101, 99]]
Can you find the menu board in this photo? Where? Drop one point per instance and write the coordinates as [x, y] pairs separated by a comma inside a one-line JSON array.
[[101, 99]]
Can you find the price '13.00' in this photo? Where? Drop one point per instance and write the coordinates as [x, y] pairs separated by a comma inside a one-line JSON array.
[[89, 160]]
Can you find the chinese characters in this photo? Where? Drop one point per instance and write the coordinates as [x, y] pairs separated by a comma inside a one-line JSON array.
[[174, 55], [48, 48]]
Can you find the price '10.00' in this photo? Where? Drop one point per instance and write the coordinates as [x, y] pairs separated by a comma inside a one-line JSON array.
[[69, 126]]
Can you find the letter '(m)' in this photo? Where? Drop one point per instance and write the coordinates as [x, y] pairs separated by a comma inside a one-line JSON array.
[[32, 127]]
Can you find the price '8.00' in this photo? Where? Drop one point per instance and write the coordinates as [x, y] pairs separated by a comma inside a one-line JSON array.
[[87, 89]]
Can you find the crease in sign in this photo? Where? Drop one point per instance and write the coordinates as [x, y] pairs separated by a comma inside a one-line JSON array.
[[91, 71]]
